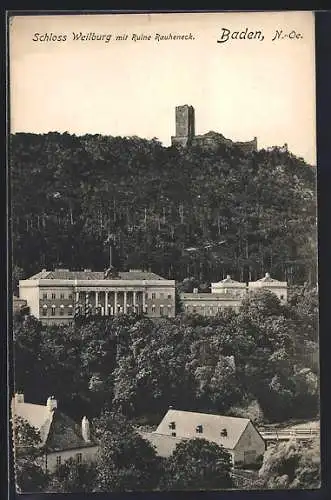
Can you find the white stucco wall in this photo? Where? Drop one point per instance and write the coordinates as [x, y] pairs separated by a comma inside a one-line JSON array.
[[250, 441], [88, 454], [29, 291]]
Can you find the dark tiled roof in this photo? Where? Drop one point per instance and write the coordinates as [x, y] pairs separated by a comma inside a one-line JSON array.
[[65, 434], [139, 275], [57, 430], [94, 275]]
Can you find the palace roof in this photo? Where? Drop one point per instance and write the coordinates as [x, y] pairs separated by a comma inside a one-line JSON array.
[[65, 274]]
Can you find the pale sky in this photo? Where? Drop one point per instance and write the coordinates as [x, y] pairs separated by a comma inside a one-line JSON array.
[[240, 88]]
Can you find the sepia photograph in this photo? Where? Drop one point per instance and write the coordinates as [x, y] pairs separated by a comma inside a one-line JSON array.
[[164, 279]]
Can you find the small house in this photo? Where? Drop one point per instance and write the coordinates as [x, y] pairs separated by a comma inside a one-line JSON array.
[[237, 435], [61, 437]]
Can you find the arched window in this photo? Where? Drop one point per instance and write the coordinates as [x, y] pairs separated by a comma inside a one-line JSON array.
[[53, 310], [61, 310]]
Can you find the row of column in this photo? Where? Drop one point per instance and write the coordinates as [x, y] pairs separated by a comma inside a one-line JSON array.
[[115, 307]]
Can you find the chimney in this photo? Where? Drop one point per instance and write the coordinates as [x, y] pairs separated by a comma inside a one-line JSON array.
[[19, 397], [51, 403], [86, 430]]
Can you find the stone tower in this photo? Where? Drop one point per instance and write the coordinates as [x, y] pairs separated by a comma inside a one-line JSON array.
[[185, 126]]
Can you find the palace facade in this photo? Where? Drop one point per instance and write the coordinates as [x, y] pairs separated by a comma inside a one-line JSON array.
[[56, 297]]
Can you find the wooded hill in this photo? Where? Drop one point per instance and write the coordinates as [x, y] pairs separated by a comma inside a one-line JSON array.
[[182, 213]]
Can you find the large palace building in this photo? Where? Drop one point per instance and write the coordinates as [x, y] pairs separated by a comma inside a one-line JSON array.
[[56, 297]]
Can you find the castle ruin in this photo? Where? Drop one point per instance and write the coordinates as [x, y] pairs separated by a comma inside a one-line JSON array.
[[185, 133]]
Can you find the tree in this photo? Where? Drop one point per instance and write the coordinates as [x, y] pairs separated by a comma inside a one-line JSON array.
[[73, 477], [126, 462], [293, 464], [17, 275], [198, 464], [178, 302], [29, 473]]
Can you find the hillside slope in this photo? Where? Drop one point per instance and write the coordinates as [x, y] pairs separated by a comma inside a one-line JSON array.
[[182, 213]]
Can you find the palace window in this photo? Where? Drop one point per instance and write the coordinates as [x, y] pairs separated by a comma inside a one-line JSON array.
[[53, 310], [58, 460], [153, 295], [173, 434], [161, 295], [169, 296], [44, 310], [45, 296], [61, 295], [61, 310], [79, 458], [53, 295], [161, 310], [153, 308], [70, 310]]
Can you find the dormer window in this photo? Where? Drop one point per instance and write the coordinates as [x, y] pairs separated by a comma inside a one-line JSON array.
[[172, 425], [224, 433], [199, 429]]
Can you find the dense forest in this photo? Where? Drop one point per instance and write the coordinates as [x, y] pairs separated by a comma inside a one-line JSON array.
[[180, 212], [261, 363]]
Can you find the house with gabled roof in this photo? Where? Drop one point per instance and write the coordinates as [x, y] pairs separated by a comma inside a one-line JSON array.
[[61, 437], [237, 435]]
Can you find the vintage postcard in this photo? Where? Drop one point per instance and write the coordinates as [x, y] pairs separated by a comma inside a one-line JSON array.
[[164, 251]]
